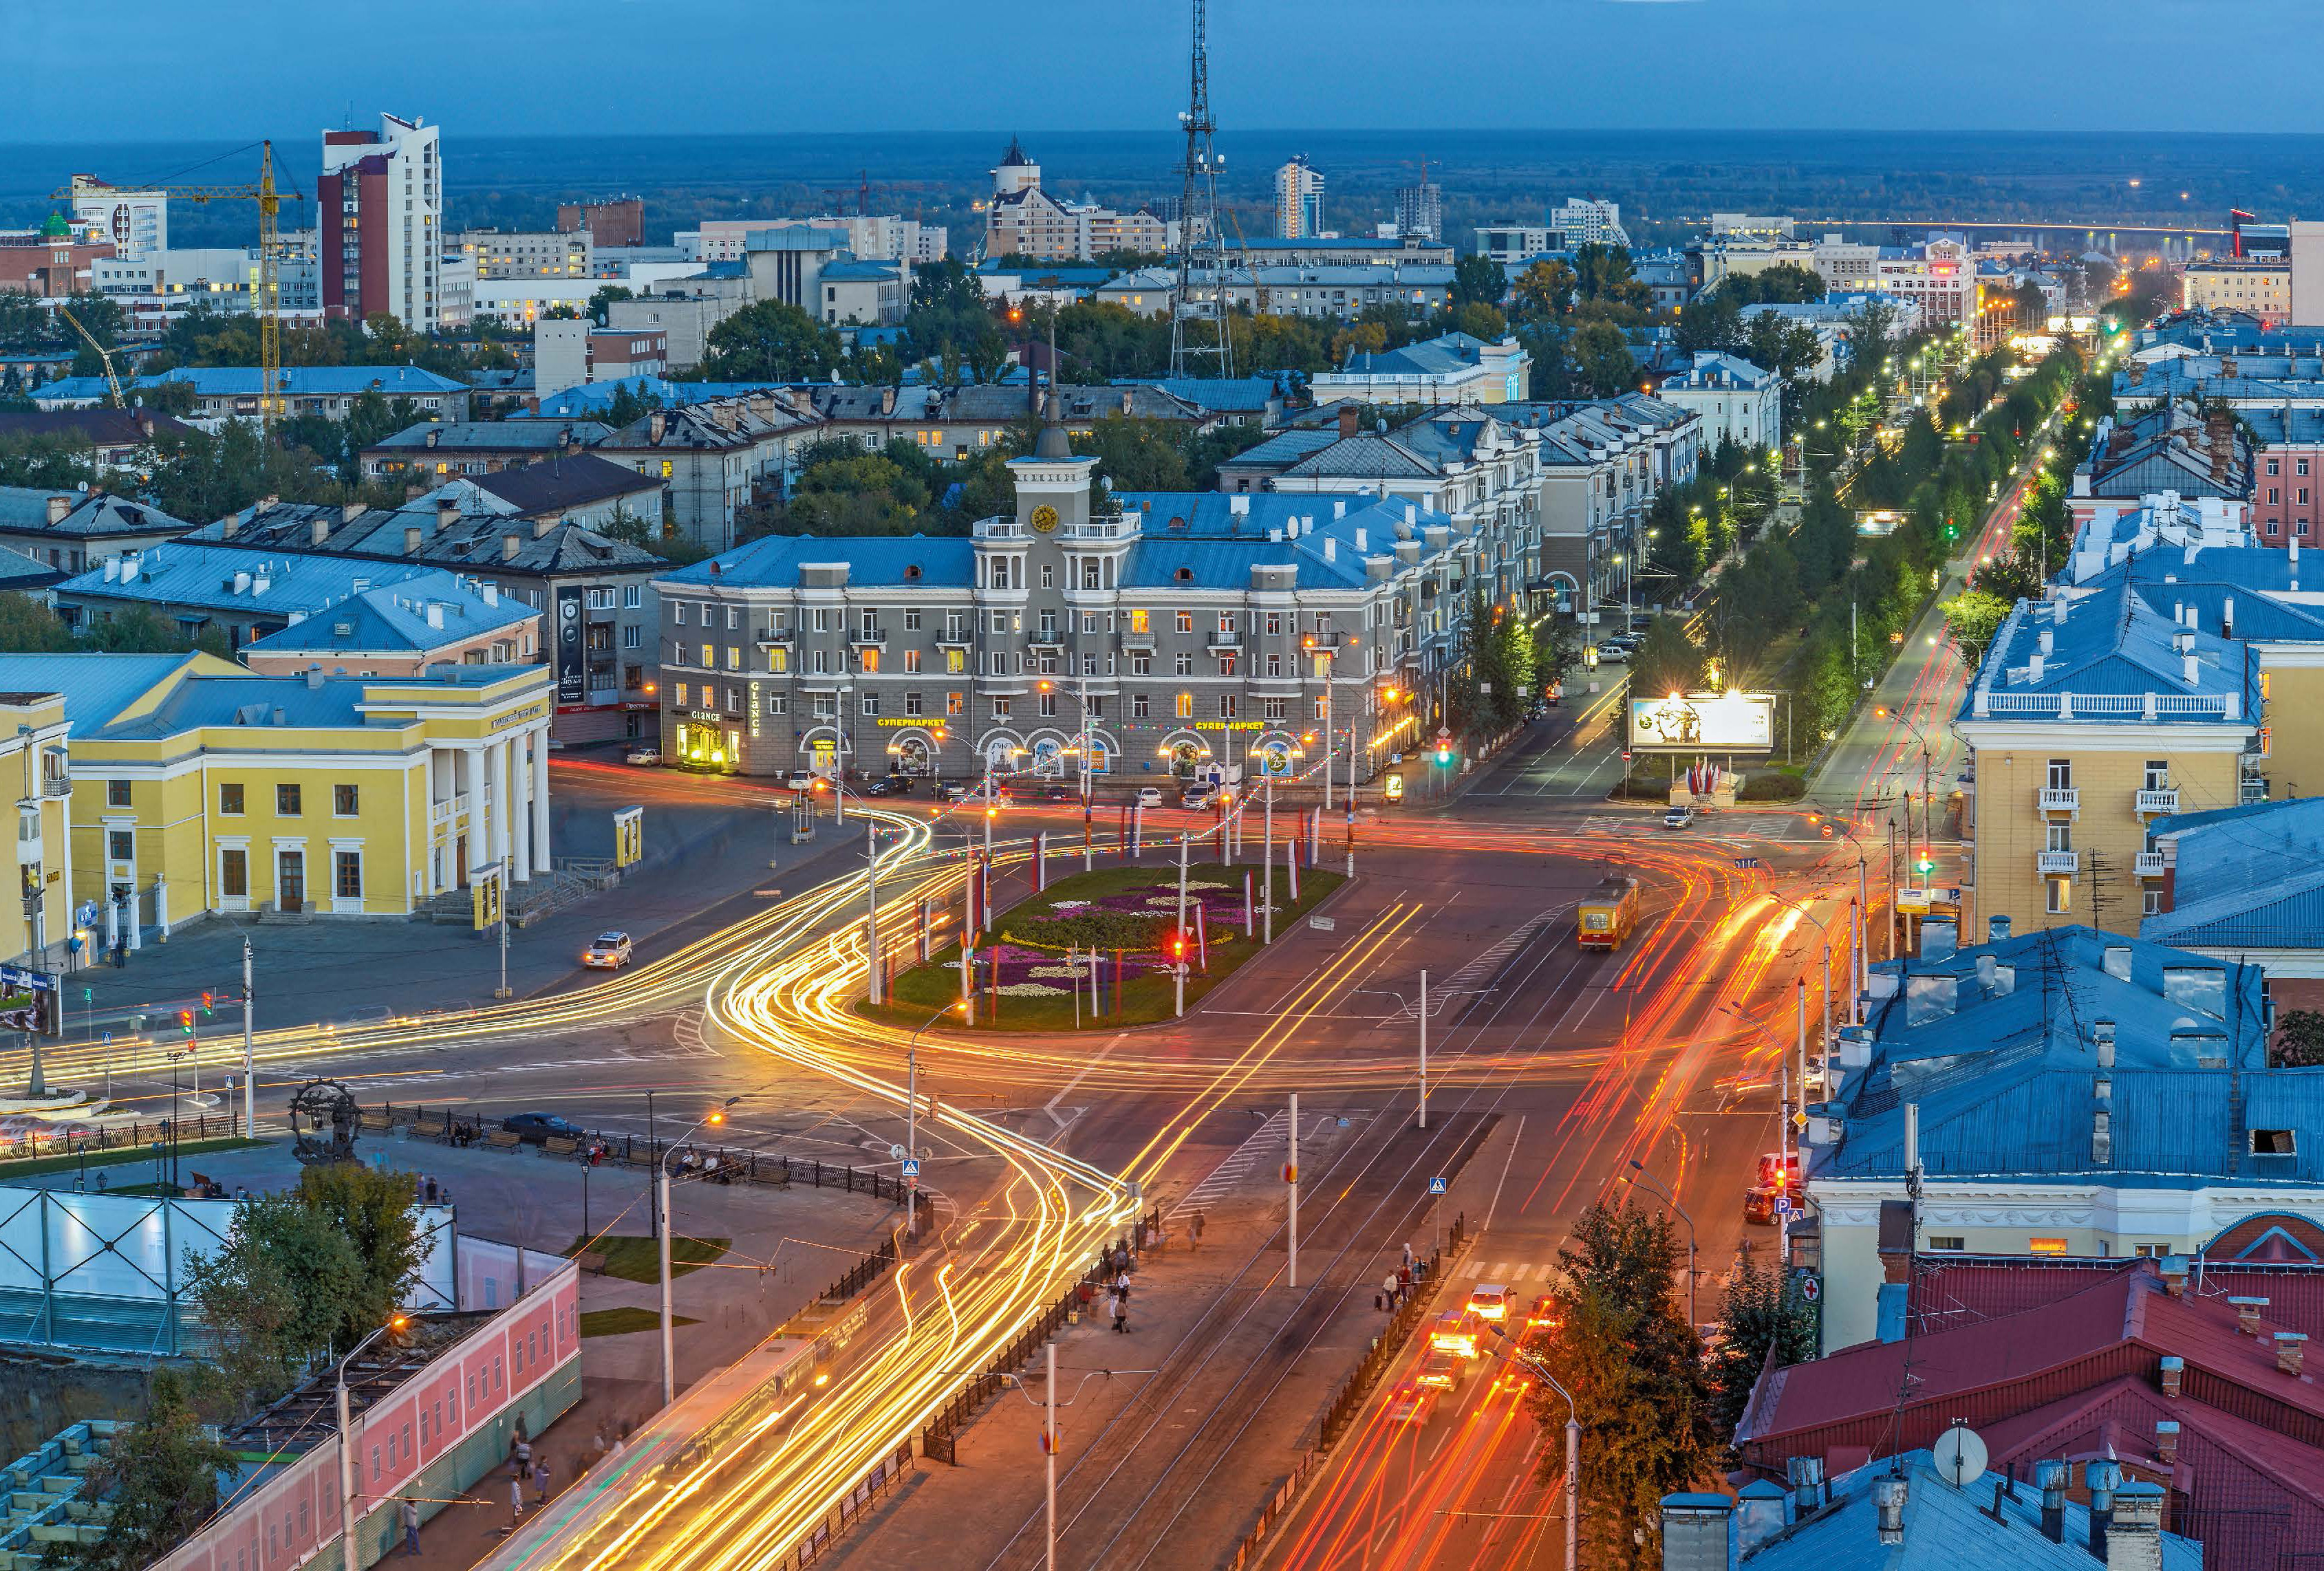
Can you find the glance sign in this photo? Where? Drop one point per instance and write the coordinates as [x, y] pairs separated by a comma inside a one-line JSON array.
[[1718, 722]]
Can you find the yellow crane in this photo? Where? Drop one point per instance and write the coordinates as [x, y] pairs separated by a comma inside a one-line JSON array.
[[269, 304], [111, 383]]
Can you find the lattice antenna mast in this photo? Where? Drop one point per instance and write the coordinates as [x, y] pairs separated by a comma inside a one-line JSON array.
[[1199, 344]]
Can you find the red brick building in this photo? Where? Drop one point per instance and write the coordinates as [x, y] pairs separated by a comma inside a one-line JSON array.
[[52, 262]]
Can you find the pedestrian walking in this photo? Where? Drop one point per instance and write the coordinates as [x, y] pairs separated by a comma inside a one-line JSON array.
[[1121, 1313], [540, 1480], [1195, 1230], [410, 1526], [1387, 1299], [516, 1501], [1407, 1257], [1404, 1281], [524, 1458]]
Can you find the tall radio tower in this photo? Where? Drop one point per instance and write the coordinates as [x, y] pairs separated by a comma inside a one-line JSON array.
[[1199, 345]]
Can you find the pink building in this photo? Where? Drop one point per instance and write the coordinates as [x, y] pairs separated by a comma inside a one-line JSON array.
[[2288, 487]]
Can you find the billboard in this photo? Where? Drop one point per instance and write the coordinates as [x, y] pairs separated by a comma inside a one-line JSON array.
[[572, 684], [487, 897], [1703, 722], [30, 1001]]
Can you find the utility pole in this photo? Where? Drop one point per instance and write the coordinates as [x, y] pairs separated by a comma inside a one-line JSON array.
[[1178, 960], [506, 868], [249, 1082], [1291, 1178], [871, 905], [1052, 1449], [1266, 879], [662, 1217], [912, 1132]]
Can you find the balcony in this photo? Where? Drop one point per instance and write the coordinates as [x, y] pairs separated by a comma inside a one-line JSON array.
[[1046, 638], [1138, 640], [2164, 801], [773, 637], [2061, 799], [2068, 862], [953, 638], [1225, 644], [868, 639], [56, 783], [2150, 864]]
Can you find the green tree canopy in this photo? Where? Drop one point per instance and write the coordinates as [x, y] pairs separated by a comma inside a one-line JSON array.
[[771, 341], [1602, 359], [161, 1480], [1760, 1310], [1667, 661], [1477, 279]]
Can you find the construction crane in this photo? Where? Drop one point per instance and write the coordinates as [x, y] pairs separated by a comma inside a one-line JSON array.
[[111, 383], [269, 304]]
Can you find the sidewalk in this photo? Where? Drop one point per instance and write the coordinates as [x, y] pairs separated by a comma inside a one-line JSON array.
[[703, 860]]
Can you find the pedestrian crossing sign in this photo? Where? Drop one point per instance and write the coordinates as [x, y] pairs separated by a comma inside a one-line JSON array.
[[911, 1167], [1436, 1186]]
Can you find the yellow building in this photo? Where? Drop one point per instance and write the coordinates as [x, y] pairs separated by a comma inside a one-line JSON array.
[[35, 925], [199, 785], [2257, 288], [2091, 717]]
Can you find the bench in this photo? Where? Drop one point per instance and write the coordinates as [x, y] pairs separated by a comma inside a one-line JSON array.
[[592, 1261], [560, 1146], [377, 1123], [504, 1140]]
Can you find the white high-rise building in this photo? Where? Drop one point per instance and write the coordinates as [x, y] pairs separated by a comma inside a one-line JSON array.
[[136, 221], [1584, 222], [1298, 200], [380, 204]]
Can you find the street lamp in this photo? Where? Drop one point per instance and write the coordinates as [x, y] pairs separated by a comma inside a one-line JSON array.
[[395, 1324], [1928, 829], [912, 1111], [1639, 1174], [716, 1116], [1535, 1365]]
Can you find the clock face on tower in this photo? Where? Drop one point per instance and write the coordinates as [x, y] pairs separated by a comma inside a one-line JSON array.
[[1045, 518]]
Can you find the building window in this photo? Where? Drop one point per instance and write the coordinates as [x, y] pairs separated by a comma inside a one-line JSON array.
[[1275, 665], [2061, 773], [1227, 664], [347, 875], [2061, 896], [2058, 837], [1322, 709], [1048, 576], [778, 660], [911, 703], [1275, 708], [681, 695], [233, 872], [1186, 706], [2158, 775], [1048, 706], [1185, 663], [956, 703], [1185, 621], [633, 596], [343, 800], [871, 703], [1949, 1243], [1226, 706], [2045, 1246], [1000, 708], [1138, 706], [872, 660], [677, 612], [116, 793], [1137, 622], [956, 662], [230, 798], [286, 801]]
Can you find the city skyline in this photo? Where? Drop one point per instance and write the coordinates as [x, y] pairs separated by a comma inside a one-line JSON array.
[[1667, 65]]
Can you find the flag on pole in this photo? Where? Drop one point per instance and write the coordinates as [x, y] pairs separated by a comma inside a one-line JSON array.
[[1040, 861], [1202, 940]]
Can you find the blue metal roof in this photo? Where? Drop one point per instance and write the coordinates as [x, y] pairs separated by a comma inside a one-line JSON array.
[[193, 574], [309, 380], [1997, 1046], [96, 687], [2248, 877], [773, 561], [2108, 650]]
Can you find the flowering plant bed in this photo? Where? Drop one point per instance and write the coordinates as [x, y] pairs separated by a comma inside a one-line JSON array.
[[1127, 916]]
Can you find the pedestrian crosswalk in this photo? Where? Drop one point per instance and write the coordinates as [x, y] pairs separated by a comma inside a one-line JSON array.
[[1509, 1273], [1270, 1138], [1482, 968]]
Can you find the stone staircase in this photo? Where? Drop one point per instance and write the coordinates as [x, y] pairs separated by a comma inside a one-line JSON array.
[[547, 892]]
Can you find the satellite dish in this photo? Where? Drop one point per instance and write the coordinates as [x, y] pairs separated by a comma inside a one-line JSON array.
[[1959, 1455]]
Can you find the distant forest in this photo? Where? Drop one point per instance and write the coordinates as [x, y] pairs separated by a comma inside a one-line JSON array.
[[1666, 181]]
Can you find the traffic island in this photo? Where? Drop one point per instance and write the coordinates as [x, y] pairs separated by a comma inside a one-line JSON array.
[[1093, 951]]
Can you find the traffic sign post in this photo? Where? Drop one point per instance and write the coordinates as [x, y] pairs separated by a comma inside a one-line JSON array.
[[1435, 1225], [911, 1172]]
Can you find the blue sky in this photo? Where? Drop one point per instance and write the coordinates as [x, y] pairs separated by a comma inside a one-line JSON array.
[[167, 69]]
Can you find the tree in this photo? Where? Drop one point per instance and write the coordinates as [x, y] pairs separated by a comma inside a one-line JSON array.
[[1136, 455], [1545, 289], [773, 341], [1479, 321], [161, 1481], [1619, 1341], [1601, 357], [29, 627], [1605, 276], [601, 303], [1477, 279], [2299, 1040], [371, 1208], [1667, 659], [47, 463], [275, 1293], [1762, 1310]]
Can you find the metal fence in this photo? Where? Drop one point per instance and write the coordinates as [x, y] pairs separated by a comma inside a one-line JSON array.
[[73, 1139]]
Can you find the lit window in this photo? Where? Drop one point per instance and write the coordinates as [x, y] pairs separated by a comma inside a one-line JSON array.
[[2045, 1246]]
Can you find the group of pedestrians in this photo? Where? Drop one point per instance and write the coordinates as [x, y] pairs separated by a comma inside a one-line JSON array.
[[1396, 1288]]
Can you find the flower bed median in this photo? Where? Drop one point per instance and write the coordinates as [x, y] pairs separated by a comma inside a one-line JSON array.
[[1042, 947]]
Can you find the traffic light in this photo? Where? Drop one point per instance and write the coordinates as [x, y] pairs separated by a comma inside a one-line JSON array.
[[1444, 753], [186, 1021], [209, 1000], [1924, 867]]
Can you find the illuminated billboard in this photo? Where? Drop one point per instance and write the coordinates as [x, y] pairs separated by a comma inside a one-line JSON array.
[[1713, 722]]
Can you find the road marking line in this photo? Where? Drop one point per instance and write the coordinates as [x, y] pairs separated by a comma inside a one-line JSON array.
[[1050, 1107]]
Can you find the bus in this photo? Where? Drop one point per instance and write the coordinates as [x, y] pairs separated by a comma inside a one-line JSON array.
[[1607, 913]]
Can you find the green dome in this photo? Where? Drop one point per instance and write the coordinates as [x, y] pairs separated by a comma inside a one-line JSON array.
[[56, 228]]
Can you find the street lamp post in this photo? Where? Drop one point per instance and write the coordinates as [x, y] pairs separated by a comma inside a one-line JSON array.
[[661, 1211], [249, 1081], [912, 1115], [346, 1440], [1639, 1174], [1535, 1365]]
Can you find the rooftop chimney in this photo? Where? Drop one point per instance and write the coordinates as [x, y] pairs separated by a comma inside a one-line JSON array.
[[2247, 1311], [2134, 1537], [350, 511], [542, 524], [2172, 1371], [509, 545], [2289, 1346], [314, 678], [2227, 617], [1997, 928], [2174, 1275], [1888, 1496], [318, 530], [1348, 413], [2101, 1478], [2102, 1037], [1806, 1474], [2101, 1137], [2166, 1441], [59, 507], [2052, 1478], [435, 614], [448, 513], [412, 535], [1331, 549], [1361, 547], [1698, 1529], [2046, 640], [656, 424]]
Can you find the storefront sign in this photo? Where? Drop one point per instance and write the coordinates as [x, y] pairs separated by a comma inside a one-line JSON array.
[[530, 712]]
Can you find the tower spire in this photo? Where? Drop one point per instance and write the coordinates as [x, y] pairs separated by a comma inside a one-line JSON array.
[[1199, 342]]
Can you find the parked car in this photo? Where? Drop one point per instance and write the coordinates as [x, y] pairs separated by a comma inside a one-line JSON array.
[[1612, 650], [1197, 795], [890, 785], [1678, 818], [533, 1129], [643, 756], [800, 780], [952, 791], [1759, 1206], [1149, 796], [608, 951]]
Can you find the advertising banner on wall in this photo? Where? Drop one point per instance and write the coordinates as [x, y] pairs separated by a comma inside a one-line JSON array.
[[1704, 723], [572, 681]]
